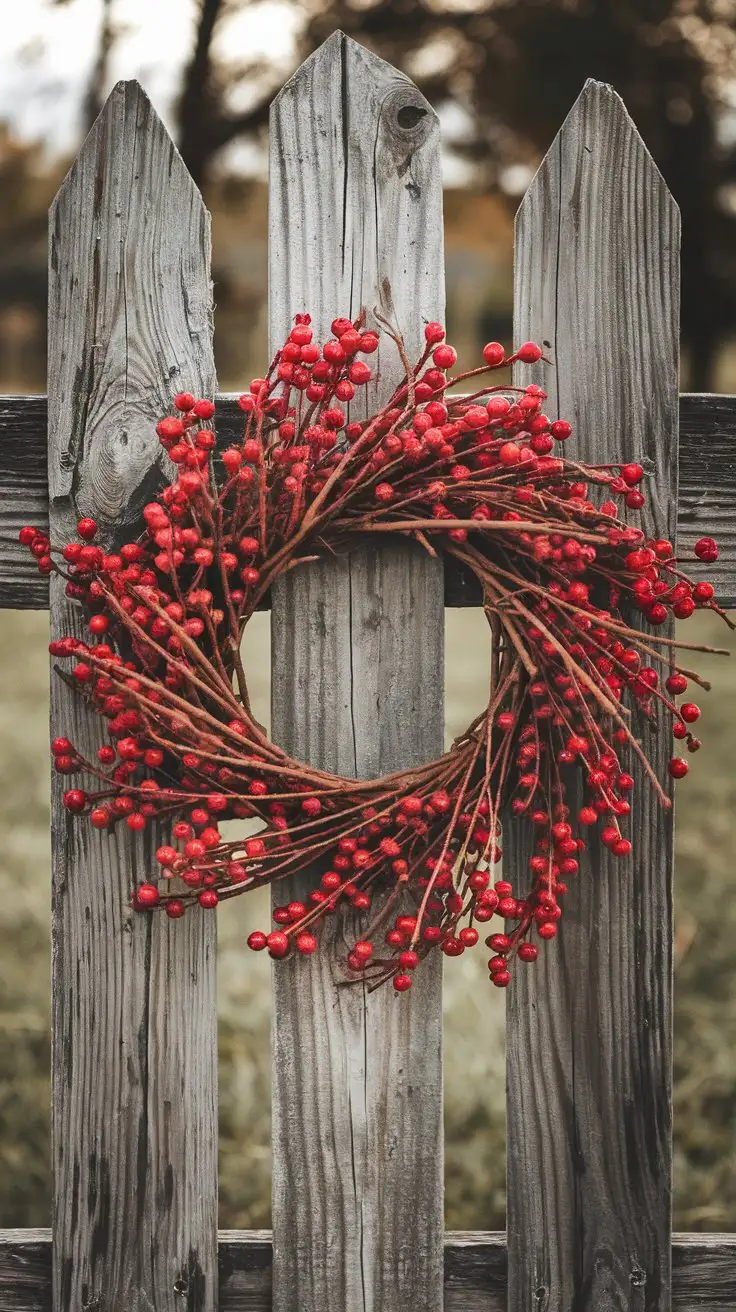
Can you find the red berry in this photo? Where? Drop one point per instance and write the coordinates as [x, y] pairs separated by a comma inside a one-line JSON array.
[[690, 712], [678, 768], [547, 929], [402, 983], [203, 409], [444, 356], [306, 943], [706, 549], [528, 952], [676, 683], [468, 936], [409, 960], [169, 429], [175, 908], [657, 614], [501, 978], [497, 407], [494, 354], [257, 940], [232, 459], [100, 817], [75, 800], [632, 474], [434, 332], [509, 454], [87, 528], [277, 943], [561, 430], [334, 352], [184, 401], [499, 942], [147, 896], [359, 373], [529, 353], [703, 592]]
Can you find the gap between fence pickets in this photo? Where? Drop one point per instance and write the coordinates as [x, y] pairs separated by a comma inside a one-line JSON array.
[[707, 494], [704, 1271]]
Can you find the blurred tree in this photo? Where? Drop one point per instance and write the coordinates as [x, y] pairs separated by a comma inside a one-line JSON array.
[[207, 120], [27, 185], [517, 69], [97, 82]]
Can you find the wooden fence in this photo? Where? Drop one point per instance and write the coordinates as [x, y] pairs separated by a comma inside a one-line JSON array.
[[355, 197]]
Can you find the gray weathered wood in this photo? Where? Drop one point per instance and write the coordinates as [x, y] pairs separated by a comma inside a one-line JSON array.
[[589, 1042], [706, 499], [703, 1271], [134, 1025], [355, 197]]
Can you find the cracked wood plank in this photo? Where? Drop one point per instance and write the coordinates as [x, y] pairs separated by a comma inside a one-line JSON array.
[[355, 197], [134, 1023]]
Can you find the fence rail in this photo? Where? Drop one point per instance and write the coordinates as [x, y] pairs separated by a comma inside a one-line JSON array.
[[357, 1195], [475, 1272], [705, 502]]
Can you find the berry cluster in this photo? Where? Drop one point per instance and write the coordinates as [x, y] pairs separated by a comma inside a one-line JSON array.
[[480, 478]]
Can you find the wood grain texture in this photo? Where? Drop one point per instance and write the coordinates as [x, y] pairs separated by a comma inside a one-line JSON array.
[[703, 1271], [706, 498], [589, 1035], [134, 1022], [355, 197], [707, 493], [24, 499]]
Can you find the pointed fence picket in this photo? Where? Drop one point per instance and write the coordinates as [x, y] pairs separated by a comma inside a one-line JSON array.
[[357, 647], [134, 1020], [355, 198], [589, 1046]]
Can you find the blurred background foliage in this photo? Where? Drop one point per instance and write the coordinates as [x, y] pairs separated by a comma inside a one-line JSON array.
[[502, 75]]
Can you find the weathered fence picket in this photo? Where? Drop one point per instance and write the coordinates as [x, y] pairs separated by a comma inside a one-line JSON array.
[[134, 1021], [589, 1038], [355, 199]]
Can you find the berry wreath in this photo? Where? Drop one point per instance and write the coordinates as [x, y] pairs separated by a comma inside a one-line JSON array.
[[474, 477]]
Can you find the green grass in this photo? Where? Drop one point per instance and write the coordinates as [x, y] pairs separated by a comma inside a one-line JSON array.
[[705, 998]]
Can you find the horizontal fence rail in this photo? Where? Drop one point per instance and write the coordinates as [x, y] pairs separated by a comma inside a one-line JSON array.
[[705, 504], [703, 1271]]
